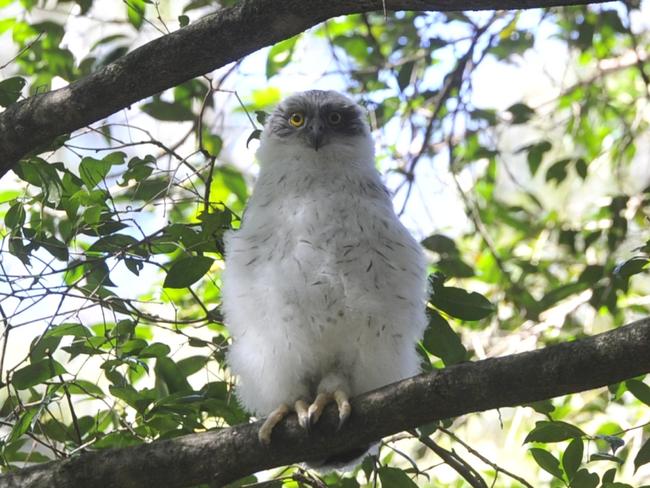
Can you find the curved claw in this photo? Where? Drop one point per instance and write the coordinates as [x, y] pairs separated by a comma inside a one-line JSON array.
[[345, 409], [302, 412], [264, 434], [316, 408]]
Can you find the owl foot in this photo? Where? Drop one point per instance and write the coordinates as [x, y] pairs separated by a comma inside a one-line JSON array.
[[307, 415], [264, 434], [321, 401], [274, 418]]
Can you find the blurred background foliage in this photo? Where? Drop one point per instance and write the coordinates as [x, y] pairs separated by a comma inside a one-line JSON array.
[[516, 145]]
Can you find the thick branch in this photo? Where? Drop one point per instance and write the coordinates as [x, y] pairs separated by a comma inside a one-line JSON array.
[[199, 48], [219, 457]]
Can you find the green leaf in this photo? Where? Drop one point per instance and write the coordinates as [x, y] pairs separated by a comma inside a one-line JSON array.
[[395, 478], [558, 171], [609, 475], [442, 341], [536, 154], [254, 135], [92, 214], [54, 246], [558, 431], [581, 168], [212, 143], [441, 244], [261, 116], [562, 292], [155, 350], [15, 216], [602, 456], [39, 172], [543, 406], [521, 113], [112, 244], [460, 303], [169, 373], [279, 56], [43, 347], [139, 401], [36, 373], [117, 440], [639, 389], [584, 479], [187, 271], [167, 111], [93, 171], [572, 457], [10, 90], [546, 461], [235, 182], [455, 267], [631, 267], [24, 424], [183, 20], [643, 456], [70, 329], [135, 10], [404, 75], [84, 387], [192, 364]]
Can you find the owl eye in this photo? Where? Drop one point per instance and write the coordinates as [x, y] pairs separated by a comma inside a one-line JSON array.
[[297, 119], [334, 118]]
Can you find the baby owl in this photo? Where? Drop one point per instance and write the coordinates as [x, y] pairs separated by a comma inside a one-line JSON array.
[[324, 289]]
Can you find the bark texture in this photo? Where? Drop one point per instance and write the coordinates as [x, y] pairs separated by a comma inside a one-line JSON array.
[[219, 457], [210, 43]]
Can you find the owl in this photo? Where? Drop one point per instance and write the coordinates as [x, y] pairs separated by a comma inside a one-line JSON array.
[[323, 288]]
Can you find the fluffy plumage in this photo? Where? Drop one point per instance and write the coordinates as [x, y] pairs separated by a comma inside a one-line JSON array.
[[324, 288]]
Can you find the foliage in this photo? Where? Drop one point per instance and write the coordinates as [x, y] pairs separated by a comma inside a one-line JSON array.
[[112, 247]]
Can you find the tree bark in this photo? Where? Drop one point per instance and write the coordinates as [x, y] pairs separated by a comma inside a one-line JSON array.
[[210, 43], [221, 456]]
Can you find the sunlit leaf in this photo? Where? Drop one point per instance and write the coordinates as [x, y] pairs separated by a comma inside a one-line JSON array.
[[280, 55]]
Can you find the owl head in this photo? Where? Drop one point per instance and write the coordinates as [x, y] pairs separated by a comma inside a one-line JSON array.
[[315, 120]]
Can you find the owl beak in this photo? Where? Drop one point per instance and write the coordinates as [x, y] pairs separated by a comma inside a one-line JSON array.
[[315, 136]]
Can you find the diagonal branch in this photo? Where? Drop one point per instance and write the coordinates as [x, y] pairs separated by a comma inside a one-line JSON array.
[[218, 457], [210, 43]]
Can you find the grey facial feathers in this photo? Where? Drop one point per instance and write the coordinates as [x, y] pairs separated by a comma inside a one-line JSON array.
[[317, 117]]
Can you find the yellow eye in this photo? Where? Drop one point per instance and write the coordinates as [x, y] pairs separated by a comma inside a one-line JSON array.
[[297, 119], [334, 118]]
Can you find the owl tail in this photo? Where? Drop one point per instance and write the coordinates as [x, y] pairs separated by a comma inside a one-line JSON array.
[[344, 461]]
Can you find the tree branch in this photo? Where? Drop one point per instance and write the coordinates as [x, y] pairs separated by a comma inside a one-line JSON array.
[[210, 43], [221, 456]]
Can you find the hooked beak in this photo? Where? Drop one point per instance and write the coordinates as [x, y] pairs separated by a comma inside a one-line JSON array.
[[315, 136]]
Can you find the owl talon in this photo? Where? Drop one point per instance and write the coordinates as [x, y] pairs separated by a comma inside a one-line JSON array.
[[302, 411], [264, 434], [316, 408], [343, 403]]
